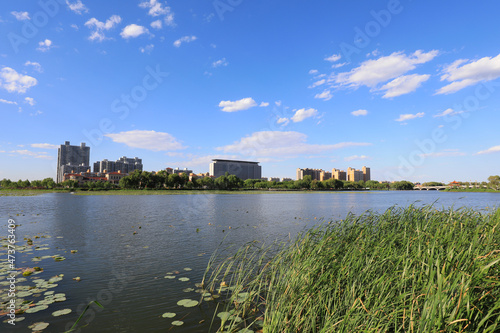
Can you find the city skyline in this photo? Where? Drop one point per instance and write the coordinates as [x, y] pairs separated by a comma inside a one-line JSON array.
[[397, 85]]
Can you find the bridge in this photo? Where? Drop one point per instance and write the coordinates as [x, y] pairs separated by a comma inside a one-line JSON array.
[[430, 188]]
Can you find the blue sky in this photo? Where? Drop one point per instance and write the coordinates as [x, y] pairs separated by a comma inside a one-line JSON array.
[[408, 88]]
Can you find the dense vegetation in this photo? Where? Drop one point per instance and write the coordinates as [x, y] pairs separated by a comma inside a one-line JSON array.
[[406, 270]]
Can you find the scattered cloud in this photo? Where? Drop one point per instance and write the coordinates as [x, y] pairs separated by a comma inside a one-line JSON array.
[[156, 8], [74, 26], [21, 16], [44, 45], [359, 112], [77, 7], [463, 73], [373, 72], [313, 71], [283, 121], [409, 116], [185, 39], [277, 103], [156, 24], [133, 31], [221, 62], [98, 28], [325, 95], [37, 113], [242, 104], [303, 114], [494, 149], [147, 49], [317, 83], [28, 153], [333, 58], [29, 100], [356, 157], [447, 112], [44, 146], [7, 102], [12, 81], [264, 104], [281, 143], [36, 66], [404, 84], [339, 65], [149, 140]]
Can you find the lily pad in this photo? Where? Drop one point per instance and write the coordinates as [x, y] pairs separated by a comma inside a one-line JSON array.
[[224, 315], [188, 303], [169, 277], [187, 269], [183, 279], [37, 308], [177, 323], [168, 315], [38, 326], [61, 312], [187, 290]]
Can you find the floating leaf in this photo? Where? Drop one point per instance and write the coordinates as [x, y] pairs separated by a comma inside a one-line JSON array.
[[187, 290], [37, 308], [61, 312], [188, 303], [169, 277], [168, 315], [223, 315], [38, 326], [177, 323], [183, 279], [187, 269]]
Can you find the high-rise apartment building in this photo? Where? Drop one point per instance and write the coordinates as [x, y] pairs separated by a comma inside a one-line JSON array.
[[366, 174], [124, 165], [241, 169], [339, 174], [72, 159], [314, 173], [354, 175]]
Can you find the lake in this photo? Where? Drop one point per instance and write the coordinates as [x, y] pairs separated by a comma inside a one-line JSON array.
[[126, 245]]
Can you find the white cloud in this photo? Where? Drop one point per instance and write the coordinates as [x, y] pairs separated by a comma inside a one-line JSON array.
[[147, 49], [36, 66], [447, 112], [408, 116], [313, 71], [360, 112], [339, 65], [303, 114], [317, 83], [356, 157], [21, 16], [156, 24], [7, 102], [264, 104], [77, 7], [371, 73], [404, 85], [12, 81], [99, 27], [155, 8], [325, 95], [221, 62], [242, 104], [74, 26], [283, 121], [34, 114], [44, 146], [133, 31], [169, 20], [29, 100], [27, 153], [278, 103], [281, 143], [150, 140], [185, 39], [44, 45], [463, 73], [333, 58], [494, 149]]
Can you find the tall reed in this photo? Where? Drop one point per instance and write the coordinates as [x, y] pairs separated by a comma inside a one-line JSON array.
[[405, 270]]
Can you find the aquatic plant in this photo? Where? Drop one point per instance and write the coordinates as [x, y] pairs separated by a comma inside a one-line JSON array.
[[405, 270]]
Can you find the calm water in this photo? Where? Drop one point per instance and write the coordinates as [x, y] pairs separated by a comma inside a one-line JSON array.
[[125, 271]]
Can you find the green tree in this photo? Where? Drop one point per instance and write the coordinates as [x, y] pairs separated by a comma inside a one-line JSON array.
[[174, 180], [494, 182], [234, 182], [48, 183]]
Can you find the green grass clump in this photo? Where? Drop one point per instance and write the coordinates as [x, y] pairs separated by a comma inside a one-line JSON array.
[[405, 270]]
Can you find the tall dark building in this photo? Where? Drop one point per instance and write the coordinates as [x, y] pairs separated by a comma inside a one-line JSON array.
[[124, 165], [242, 169], [72, 159]]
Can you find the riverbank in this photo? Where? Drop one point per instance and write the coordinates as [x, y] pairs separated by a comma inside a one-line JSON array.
[[412, 269], [487, 190]]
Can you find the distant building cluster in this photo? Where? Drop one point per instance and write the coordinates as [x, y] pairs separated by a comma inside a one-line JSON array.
[[321, 175], [73, 163]]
